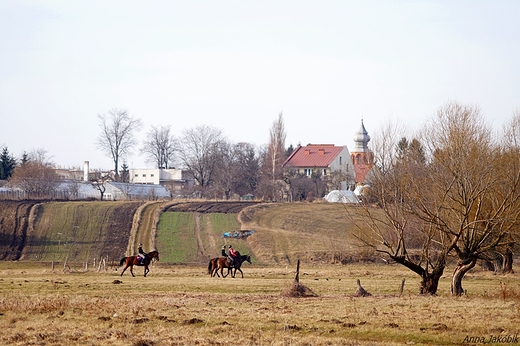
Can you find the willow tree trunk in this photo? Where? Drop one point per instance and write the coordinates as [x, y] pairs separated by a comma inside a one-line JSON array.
[[507, 263], [430, 282], [458, 275]]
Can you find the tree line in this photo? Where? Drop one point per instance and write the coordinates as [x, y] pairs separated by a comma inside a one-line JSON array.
[[220, 168], [451, 191]]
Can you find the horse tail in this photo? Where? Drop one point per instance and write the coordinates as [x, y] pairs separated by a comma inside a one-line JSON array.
[[210, 266], [122, 261]]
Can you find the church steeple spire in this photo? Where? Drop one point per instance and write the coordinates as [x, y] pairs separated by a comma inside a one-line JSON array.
[[361, 139], [362, 157]]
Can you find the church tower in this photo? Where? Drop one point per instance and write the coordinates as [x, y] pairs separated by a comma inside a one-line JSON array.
[[362, 157]]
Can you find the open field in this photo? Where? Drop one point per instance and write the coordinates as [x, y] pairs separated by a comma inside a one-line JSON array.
[[182, 305], [44, 301]]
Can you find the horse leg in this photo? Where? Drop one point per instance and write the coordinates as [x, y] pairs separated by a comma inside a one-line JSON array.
[[240, 272], [123, 271], [132, 270], [146, 270]]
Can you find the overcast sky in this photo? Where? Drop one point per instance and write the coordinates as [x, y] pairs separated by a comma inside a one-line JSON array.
[[236, 65]]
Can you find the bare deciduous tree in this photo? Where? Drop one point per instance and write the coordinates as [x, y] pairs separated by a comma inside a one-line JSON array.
[[199, 151], [475, 185], [273, 159], [248, 163], [159, 146], [238, 169], [463, 198], [276, 148], [226, 172], [117, 135], [392, 227], [36, 175]]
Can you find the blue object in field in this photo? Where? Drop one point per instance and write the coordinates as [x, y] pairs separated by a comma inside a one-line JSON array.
[[238, 234]]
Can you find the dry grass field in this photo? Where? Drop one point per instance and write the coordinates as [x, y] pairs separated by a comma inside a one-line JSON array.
[[182, 305]]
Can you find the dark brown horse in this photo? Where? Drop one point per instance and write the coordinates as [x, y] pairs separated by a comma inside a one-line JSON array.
[[219, 263], [213, 266], [132, 261]]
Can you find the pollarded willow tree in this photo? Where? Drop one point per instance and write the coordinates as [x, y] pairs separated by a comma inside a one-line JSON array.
[[392, 227], [473, 195], [458, 194]]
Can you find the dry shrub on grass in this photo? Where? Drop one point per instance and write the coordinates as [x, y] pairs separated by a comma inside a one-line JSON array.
[[504, 292], [297, 290]]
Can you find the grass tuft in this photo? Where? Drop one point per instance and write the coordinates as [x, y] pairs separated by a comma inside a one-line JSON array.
[[297, 290]]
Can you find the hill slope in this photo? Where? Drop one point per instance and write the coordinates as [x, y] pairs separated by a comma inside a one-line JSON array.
[[65, 231], [184, 232], [283, 233]]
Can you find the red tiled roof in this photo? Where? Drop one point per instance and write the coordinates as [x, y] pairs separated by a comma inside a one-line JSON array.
[[313, 155]]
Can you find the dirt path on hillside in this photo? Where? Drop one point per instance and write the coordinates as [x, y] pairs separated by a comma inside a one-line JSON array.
[[203, 227], [211, 238], [200, 247]]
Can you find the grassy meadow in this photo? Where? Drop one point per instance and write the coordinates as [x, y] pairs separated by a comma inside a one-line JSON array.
[[182, 305], [45, 302]]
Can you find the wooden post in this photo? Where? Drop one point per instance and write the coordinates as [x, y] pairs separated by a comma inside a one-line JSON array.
[[297, 277], [402, 287]]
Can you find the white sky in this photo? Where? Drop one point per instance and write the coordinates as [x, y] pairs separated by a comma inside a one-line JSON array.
[[236, 65]]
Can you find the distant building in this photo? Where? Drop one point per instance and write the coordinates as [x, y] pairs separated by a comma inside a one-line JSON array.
[[323, 159], [128, 191], [177, 181], [362, 156], [69, 174]]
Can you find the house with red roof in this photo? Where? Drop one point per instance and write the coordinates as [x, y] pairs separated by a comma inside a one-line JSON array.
[[322, 159], [327, 159]]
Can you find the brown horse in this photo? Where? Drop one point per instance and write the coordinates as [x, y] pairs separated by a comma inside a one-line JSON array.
[[132, 261], [220, 263], [213, 266]]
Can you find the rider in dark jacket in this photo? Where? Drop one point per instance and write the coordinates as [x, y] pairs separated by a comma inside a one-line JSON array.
[[142, 254], [223, 251]]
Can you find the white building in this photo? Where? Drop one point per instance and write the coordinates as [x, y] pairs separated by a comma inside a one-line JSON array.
[[155, 175], [175, 180]]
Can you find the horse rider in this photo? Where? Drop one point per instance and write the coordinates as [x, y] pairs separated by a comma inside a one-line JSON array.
[[223, 251], [142, 254], [232, 255]]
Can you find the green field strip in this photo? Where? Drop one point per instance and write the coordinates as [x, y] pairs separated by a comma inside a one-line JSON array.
[[175, 238]]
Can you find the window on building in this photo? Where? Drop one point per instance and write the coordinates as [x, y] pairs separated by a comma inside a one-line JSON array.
[[324, 171], [340, 160], [144, 175], [152, 175], [136, 175]]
